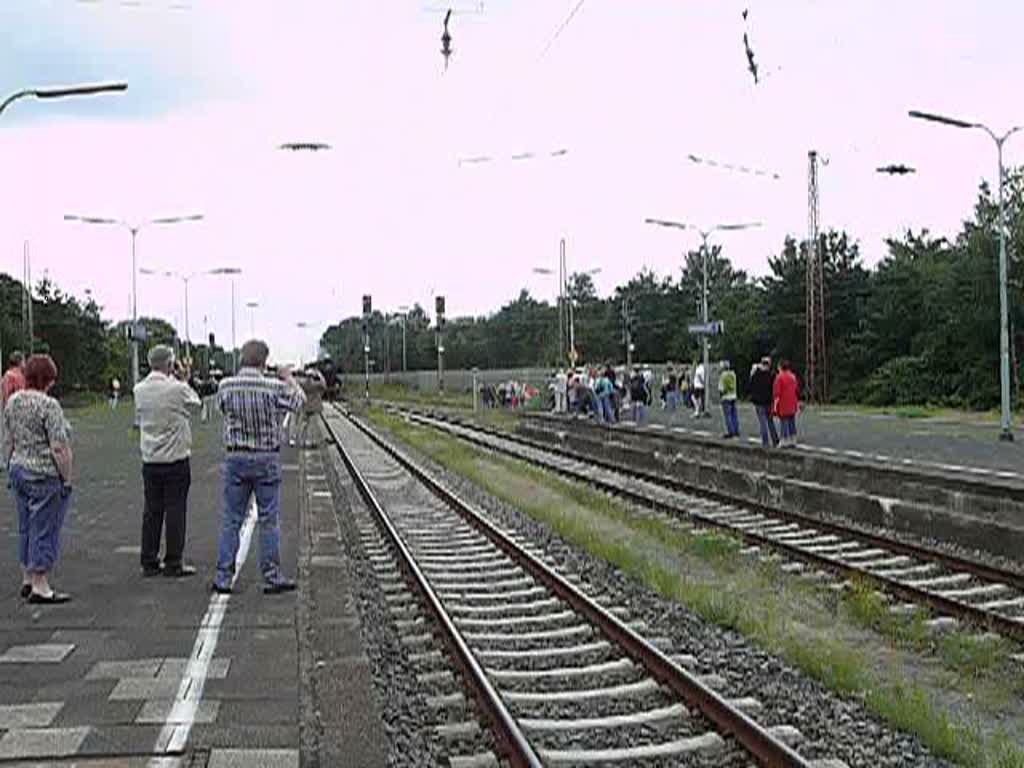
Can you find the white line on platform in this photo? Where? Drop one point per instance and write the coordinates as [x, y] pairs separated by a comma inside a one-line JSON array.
[[179, 721]]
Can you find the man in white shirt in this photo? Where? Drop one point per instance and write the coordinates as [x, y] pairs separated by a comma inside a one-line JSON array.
[[699, 390], [162, 406]]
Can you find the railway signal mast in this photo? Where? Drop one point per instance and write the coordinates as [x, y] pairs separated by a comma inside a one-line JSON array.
[[439, 311], [817, 360], [367, 311]]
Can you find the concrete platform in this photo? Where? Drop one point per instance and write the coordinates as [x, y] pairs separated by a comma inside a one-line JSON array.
[[159, 672], [984, 511]]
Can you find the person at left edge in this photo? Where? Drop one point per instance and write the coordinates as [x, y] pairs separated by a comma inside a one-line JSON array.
[[164, 402], [37, 452]]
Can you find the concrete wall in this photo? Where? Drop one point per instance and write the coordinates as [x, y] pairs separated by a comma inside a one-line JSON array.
[[984, 515]]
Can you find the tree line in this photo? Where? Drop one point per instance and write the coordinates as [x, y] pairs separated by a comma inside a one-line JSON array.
[[88, 350], [920, 327]]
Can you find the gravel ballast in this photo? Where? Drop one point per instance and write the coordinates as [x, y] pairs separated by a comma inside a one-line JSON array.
[[833, 727]]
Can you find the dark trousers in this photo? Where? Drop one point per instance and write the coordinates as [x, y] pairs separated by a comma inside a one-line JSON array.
[[166, 488], [767, 424]]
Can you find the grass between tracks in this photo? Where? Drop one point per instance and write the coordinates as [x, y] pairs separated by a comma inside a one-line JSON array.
[[951, 692]]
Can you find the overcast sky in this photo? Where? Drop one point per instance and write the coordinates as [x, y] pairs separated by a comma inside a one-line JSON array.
[[630, 88]]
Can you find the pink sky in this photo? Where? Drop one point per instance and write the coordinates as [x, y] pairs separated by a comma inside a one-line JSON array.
[[629, 88]]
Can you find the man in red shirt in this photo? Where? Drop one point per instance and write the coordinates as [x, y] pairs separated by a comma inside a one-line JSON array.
[[786, 403], [14, 379]]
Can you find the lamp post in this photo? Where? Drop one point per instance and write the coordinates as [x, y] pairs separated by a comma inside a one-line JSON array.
[[1006, 425], [57, 92], [60, 92], [185, 280], [252, 305], [134, 229], [306, 326], [704, 235]]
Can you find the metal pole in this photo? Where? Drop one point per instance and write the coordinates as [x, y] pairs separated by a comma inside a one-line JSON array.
[[25, 298], [561, 303], [405, 368], [1006, 432], [234, 344], [188, 333], [135, 317], [366, 361], [572, 327], [440, 361], [474, 391], [629, 332], [28, 300], [704, 309]]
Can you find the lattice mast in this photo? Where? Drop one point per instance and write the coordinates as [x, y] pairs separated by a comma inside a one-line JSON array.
[[817, 361]]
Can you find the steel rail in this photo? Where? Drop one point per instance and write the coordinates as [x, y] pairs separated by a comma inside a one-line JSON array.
[[512, 742], [974, 567], [765, 748], [1002, 624]]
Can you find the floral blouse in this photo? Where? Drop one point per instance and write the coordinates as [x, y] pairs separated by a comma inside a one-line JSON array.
[[33, 421]]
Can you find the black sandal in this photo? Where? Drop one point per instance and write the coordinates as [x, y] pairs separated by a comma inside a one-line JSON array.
[[54, 598], [26, 590]]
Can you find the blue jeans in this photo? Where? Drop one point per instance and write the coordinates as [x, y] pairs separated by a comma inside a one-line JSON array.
[[246, 474], [42, 502], [608, 409], [639, 412], [788, 426], [672, 399], [732, 419], [764, 420]]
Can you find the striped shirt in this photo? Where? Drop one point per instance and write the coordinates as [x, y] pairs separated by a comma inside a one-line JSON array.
[[254, 405]]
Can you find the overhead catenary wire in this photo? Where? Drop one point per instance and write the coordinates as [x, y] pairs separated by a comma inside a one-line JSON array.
[[732, 167], [561, 28]]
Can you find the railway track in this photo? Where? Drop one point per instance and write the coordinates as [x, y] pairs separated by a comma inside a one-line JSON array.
[[970, 591], [561, 678]]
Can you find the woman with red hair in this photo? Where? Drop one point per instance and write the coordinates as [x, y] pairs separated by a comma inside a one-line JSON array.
[[37, 452]]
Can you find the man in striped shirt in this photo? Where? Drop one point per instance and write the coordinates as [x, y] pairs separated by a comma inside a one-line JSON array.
[[254, 406]]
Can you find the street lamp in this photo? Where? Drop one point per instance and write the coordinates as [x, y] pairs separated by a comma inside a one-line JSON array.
[[134, 229], [185, 280], [1006, 428], [252, 305], [60, 92], [309, 326], [704, 234]]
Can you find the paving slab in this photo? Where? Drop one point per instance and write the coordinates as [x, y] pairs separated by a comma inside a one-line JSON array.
[[42, 742], [161, 711], [42, 653], [39, 715], [248, 758]]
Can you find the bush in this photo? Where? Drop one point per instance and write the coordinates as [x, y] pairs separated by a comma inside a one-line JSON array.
[[903, 381]]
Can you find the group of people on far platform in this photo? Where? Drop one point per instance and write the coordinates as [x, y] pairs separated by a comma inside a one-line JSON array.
[[257, 405], [603, 393]]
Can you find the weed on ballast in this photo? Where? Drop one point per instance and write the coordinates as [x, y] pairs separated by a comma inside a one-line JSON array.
[[909, 707], [973, 655]]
